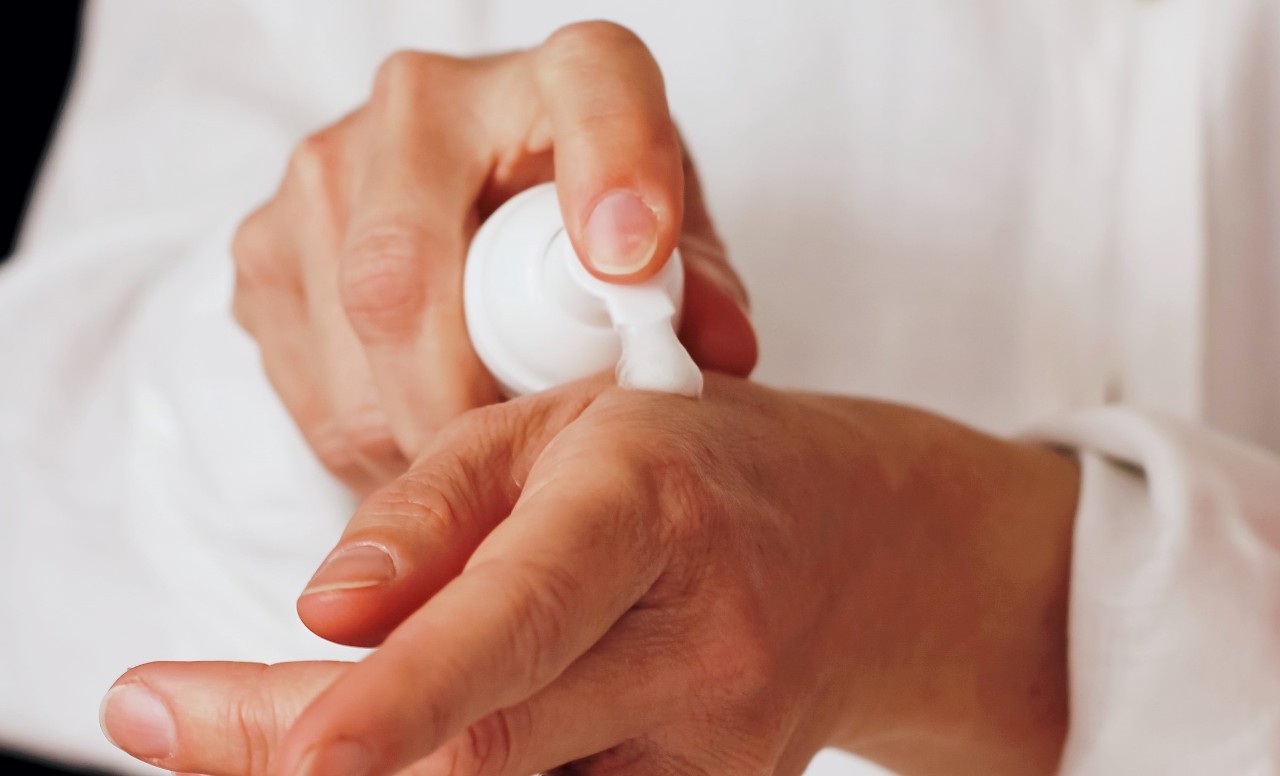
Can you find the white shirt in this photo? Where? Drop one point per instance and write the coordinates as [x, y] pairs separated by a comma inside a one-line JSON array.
[[1011, 212]]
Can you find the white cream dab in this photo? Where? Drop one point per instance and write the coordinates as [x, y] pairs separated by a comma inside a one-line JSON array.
[[652, 358]]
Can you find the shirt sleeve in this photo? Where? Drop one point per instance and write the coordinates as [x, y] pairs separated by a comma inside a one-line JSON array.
[[1174, 624]]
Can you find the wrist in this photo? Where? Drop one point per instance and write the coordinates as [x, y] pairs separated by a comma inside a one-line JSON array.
[[963, 613]]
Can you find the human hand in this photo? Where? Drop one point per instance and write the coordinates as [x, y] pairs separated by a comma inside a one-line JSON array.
[[640, 583], [350, 277]]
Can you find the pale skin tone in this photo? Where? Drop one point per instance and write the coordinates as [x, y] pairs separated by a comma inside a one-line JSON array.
[[350, 276], [609, 581]]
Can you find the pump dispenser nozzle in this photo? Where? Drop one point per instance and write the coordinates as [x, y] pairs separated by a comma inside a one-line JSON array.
[[537, 318]]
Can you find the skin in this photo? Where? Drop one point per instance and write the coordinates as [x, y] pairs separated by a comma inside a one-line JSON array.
[[608, 581], [350, 277], [639, 583]]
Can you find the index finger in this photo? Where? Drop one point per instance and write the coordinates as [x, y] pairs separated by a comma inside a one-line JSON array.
[[411, 218], [546, 585], [413, 536], [618, 159]]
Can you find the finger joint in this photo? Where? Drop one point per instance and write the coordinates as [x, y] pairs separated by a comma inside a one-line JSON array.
[[384, 284]]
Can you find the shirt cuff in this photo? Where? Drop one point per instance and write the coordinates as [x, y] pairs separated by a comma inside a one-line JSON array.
[[1174, 624]]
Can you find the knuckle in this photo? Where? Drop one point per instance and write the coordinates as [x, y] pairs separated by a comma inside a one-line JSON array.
[[589, 39], [333, 451], [253, 253], [264, 277], [483, 428], [487, 746], [253, 722], [250, 236], [415, 503], [400, 70], [656, 465], [687, 502], [411, 74], [383, 284], [740, 670], [311, 160], [416, 87], [242, 310], [367, 433], [341, 466]]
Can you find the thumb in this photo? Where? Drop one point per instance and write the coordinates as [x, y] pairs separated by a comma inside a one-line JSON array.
[[410, 538], [618, 160], [210, 717]]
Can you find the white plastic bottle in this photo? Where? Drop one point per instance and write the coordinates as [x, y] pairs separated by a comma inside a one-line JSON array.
[[537, 318]]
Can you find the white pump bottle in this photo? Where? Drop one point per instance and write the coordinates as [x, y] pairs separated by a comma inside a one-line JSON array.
[[537, 318]]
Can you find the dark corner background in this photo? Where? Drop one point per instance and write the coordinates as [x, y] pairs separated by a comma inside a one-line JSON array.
[[39, 45]]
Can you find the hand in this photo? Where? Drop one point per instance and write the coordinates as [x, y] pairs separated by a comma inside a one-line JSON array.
[[638, 583], [350, 278]]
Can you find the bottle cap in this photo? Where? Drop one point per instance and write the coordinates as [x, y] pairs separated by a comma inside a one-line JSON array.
[[537, 318]]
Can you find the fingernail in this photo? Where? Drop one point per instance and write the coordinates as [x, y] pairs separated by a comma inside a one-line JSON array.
[[364, 565], [621, 234], [341, 758], [137, 721]]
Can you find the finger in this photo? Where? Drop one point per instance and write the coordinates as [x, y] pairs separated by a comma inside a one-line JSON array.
[[356, 420], [714, 325], [409, 539], [604, 700], [310, 196], [617, 155], [229, 718], [270, 304], [402, 261], [575, 554], [210, 718]]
